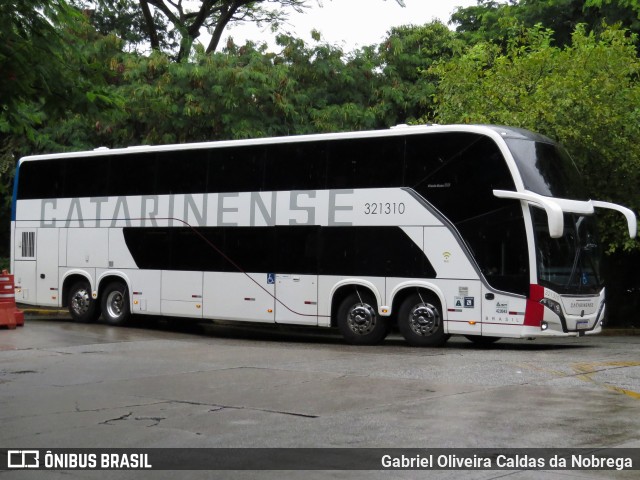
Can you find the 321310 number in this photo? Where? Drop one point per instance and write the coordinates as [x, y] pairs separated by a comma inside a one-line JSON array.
[[384, 208]]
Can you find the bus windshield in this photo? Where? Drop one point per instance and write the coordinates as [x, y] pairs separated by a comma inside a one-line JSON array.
[[569, 264], [547, 169]]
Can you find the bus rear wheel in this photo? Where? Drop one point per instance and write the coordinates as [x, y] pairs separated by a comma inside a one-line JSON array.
[[359, 322], [115, 304], [420, 321], [82, 306]]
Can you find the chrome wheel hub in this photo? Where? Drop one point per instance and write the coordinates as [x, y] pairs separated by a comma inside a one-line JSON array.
[[424, 319], [362, 319], [115, 304], [80, 302]]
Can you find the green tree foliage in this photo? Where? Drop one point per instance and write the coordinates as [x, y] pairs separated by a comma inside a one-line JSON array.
[[632, 4], [49, 71], [50, 67], [173, 27], [406, 85], [499, 21], [586, 95], [248, 91], [43, 76], [489, 20], [244, 91], [31, 61], [130, 22]]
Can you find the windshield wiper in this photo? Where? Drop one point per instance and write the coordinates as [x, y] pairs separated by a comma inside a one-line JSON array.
[[588, 246], [576, 258]]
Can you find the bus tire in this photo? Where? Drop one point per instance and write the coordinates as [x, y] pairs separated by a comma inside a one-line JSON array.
[[82, 306], [115, 304], [482, 339], [420, 321], [359, 322]]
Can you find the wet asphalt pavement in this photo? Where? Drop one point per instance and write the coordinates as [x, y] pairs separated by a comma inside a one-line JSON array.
[[171, 384]]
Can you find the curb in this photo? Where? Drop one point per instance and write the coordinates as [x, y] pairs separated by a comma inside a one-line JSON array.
[[43, 311], [615, 332]]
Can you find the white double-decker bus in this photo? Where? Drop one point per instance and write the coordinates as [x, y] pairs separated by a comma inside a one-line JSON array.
[[481, 231]]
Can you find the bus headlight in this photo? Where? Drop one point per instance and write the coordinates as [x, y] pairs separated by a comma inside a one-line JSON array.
[[553, 306], [556, 308], [544, 325], [600, 317]]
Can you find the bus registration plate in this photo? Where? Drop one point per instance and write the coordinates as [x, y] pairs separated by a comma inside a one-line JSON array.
[[582, 324]]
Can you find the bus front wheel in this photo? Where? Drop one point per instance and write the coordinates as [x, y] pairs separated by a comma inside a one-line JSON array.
[[420, 321], [82, 306], [115, 304], [359, 322]]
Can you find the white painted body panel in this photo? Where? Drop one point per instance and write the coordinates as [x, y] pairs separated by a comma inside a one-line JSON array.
[[181, 294], [297, 299], [119, 255], [87, 247], [47, 263], [145, 291], [502, 315], [239, 296], [25, 281]]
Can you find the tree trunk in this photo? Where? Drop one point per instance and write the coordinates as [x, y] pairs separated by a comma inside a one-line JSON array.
[[224, 19], [151, 27]]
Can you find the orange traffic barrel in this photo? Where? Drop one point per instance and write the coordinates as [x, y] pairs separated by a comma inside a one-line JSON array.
[[10, 316]]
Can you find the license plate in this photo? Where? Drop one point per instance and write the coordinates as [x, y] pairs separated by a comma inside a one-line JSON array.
[[582, 324]]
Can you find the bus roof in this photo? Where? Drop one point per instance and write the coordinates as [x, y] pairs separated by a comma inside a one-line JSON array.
[[400, 130]]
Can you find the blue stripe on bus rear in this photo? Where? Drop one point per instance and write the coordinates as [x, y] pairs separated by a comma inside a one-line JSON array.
[[15, 193]]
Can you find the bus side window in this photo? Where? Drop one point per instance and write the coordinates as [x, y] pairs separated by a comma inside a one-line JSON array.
[[238, 169], [297, 249], [366, 163], [251, 249], [182, 171], [132, 174], [43, 179], [296, 166], [86, 177]]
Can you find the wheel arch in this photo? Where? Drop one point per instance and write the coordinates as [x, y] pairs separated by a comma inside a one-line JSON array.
[[71, 278], [343, 289], [110, 276], [402, 291]]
